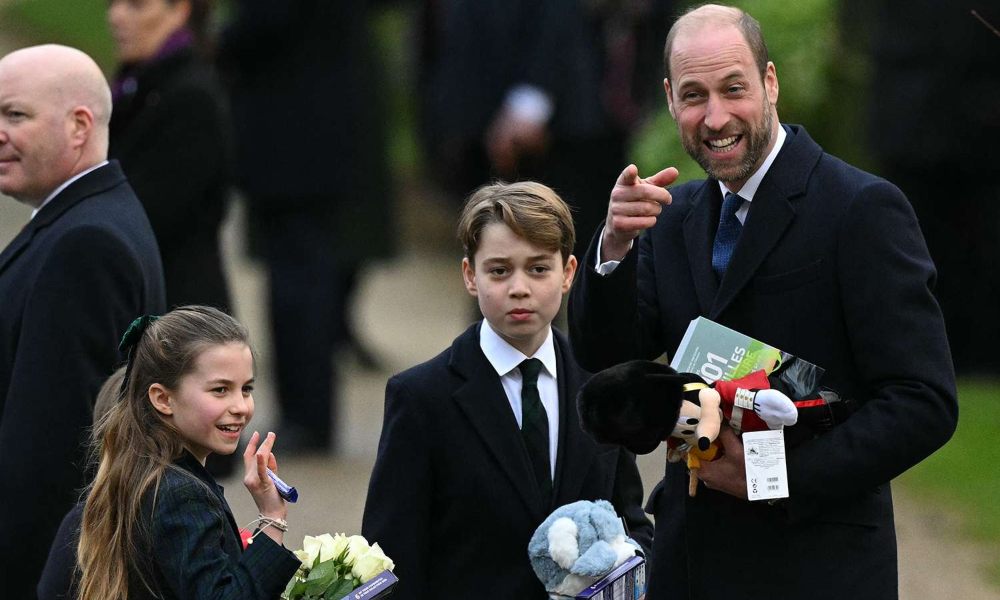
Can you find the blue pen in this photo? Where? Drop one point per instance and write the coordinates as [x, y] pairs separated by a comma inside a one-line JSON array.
[[284, 490]]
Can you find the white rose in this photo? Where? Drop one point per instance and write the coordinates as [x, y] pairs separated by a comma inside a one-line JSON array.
[[325, 546], [338, 546], [357, 546], [371, 564], [310, 550], [307, 560]]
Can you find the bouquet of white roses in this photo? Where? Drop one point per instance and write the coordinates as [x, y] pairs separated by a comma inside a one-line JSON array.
[[333, 566]]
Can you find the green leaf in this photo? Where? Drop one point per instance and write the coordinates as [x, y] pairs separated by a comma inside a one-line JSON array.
[[340, 589], [321, 577], [296, 590]]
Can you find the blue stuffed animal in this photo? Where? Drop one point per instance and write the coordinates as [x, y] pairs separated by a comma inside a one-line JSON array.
[[578, 544]]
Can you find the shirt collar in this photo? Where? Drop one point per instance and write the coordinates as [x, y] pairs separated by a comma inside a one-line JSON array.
[[750, 187], [505, 358], [64, 186]]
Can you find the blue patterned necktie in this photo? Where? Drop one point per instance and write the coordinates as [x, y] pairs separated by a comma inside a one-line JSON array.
[[727, 235], [535, 426]]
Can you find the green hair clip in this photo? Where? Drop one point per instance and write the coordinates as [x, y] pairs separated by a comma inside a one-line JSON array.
[[134, 332]]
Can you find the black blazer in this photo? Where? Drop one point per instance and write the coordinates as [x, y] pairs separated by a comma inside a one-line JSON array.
[[70, 283], [831, 266], [452, 498], [171, 133], [195, 550]]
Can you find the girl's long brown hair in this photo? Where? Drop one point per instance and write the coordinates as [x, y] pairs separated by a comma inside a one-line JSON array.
[[133, 445]]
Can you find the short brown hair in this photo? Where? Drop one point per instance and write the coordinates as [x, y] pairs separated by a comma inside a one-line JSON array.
[[533, 211], [748, 26]]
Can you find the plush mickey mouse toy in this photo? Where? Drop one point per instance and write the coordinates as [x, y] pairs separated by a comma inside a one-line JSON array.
[[640, 403]]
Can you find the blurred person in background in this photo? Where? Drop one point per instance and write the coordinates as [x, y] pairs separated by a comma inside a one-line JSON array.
[[547, 90], [311, 160], [170, 130]]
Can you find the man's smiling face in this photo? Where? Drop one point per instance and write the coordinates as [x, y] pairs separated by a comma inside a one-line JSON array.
[[725, 111]]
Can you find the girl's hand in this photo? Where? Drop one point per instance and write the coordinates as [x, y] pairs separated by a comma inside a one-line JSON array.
[[256, 461]]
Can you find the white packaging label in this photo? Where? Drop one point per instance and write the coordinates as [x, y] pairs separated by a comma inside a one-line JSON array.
[[764, 454]]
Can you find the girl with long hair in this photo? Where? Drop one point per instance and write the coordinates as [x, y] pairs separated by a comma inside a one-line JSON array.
[[155, 523]]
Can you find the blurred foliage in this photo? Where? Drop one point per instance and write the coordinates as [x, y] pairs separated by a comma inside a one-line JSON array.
[[392, 34], [78, 23], [964, 475]]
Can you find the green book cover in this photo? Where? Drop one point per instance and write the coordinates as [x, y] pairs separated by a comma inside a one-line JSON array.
[[717, 352]]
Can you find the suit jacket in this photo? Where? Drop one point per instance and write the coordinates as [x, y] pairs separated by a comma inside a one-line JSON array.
[[171, 133], [452, 499], [71, 282], [831, 267]]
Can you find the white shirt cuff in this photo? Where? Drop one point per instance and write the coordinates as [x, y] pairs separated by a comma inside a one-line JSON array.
[[607, 268]]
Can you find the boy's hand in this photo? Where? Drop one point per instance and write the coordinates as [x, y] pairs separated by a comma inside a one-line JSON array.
[[635, 204], [256, 462]]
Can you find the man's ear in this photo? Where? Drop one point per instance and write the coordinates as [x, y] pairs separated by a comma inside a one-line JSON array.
[[670, 98], [771, 83], [469, 277], [80, 124], [569, 271], [159, 397]]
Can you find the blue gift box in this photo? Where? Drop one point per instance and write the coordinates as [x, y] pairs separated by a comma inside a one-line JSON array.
[[627, 582], [379, 586]]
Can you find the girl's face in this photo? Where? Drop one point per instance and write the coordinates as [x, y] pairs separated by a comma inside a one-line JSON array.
[[213, 403], [140, 27]]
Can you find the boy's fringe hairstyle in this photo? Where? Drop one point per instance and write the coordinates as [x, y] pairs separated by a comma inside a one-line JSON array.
[[133, 445], [533, 211]]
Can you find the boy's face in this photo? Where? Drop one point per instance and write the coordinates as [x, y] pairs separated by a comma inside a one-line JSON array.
[[519, 285]]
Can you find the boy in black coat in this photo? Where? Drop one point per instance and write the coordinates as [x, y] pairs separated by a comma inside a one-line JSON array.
[[472, 458]]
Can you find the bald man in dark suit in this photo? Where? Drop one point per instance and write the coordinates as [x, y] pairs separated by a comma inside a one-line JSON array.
[[82, 268]]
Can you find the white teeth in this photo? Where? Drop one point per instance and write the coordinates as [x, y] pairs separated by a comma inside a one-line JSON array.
[[720, 144], [229, 427]]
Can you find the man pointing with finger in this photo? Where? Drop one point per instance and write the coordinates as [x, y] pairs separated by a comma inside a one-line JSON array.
[[794, 247]]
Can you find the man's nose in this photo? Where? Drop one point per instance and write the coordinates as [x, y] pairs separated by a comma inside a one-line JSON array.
[[716, 114]]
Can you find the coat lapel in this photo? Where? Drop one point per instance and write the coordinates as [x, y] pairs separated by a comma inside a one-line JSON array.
[[483, 401], [94, 182], [699, 231], [576, 451], [16, 246]]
